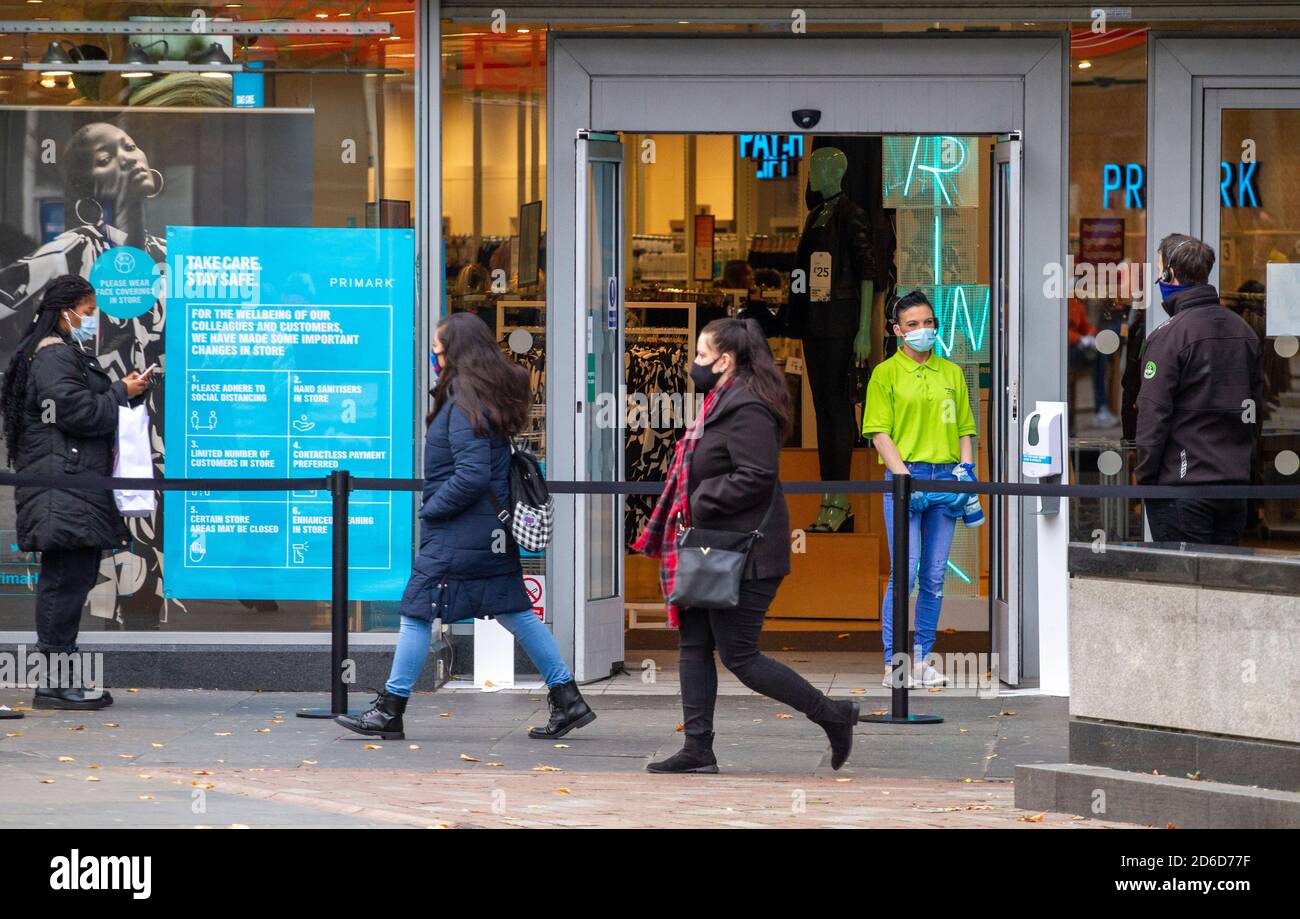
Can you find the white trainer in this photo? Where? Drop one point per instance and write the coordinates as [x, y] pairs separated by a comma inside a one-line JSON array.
[[888, 681], [926, 675]]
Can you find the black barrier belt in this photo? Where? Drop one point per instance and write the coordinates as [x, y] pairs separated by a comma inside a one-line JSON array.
[[877, 486], [855, 486]]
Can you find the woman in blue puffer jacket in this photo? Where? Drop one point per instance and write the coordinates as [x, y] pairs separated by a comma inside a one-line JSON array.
[[468, 564]]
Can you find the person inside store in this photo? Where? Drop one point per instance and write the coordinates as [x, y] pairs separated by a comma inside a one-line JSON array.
[[919, 419], [725, 476], [738, 274], [60, 412], [1199, 405], [468, 565]]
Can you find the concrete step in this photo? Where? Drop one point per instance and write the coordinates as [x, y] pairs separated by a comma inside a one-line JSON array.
[[1153, 800]]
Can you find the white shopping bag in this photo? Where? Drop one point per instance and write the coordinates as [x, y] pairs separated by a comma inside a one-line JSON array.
[[133, 460]]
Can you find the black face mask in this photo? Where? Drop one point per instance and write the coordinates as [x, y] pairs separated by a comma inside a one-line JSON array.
[[704, 377]]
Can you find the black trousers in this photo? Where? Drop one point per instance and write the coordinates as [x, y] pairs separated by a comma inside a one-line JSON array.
[[1215, 522], [828, 363], [67, 575], [734, 634]]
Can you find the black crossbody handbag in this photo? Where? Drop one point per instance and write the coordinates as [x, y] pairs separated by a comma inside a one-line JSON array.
[[711, 563]]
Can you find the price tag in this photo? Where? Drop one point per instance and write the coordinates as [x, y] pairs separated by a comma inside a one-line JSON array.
[[819, 277]]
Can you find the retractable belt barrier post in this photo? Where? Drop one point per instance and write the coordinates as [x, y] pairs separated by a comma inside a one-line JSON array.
[[340, 484]]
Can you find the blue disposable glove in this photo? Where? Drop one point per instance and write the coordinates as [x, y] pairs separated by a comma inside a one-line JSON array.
[[971, 512]]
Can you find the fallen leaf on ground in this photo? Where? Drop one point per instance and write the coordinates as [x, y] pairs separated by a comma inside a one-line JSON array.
[[145, 775], [92, 778], [494, 765], [547, 769], [1008, 714], [963, 730], [681, 727], [1037, 818], [66, 759], [47, 781], [857, 690], [223, 733], [146, 797], [14, 734], [470, 759], [133, 690], [156, 746], [111, 724], [563, 791], [784, 716], [414, 746], [77, 727], [309, 762], [261, 730], [371, 746], [561, 746], [201, 772], [842, 635], [204, 785], [444, 714], [879, 711]]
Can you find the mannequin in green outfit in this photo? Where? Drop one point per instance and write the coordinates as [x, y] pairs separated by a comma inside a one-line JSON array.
[[834, 319]]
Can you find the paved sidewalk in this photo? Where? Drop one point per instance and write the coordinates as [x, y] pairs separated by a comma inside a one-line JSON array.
[[187, 758]]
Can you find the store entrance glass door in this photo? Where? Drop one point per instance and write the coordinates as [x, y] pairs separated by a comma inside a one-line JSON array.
[[1004, 409], [598, 632]]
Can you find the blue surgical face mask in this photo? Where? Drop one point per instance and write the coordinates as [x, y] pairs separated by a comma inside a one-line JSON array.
[[921, 339], [85, 333], [1168, 289]]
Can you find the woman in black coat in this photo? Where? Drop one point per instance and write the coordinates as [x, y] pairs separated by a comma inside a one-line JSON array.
[[468, 564], [726, 477], [60, 418]]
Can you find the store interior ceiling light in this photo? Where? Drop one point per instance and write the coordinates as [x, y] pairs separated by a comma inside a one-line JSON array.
[[55, 61], [183, 26]]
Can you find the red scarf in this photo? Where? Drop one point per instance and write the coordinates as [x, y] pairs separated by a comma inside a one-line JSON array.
[[659, 538]]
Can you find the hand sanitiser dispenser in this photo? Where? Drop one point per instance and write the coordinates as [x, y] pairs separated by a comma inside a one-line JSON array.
[[1042, 450]]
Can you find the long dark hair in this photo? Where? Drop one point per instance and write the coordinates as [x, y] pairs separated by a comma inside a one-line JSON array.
[[490, 389], [63, 293], [745, 341]]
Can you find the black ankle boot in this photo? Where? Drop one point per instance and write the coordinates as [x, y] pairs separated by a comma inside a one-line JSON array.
[[568, 711], [840, 730], [384, 720], [72, 698], [695, 756]]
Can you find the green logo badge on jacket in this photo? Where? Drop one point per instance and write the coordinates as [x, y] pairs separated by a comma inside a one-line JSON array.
[[1149, 370]]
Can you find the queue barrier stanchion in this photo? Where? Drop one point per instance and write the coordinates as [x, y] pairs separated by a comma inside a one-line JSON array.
[[340, 486], [900, 569]]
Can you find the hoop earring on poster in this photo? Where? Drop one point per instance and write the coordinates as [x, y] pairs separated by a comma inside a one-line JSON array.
[[160, 184], [76, 209]]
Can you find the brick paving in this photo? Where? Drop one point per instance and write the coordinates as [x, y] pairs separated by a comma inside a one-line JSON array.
[[160, 758]]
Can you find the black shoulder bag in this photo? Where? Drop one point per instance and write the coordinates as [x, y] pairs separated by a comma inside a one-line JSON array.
[[711, 563]]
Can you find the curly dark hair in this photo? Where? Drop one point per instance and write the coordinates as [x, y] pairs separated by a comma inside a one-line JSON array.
[[63, 293]]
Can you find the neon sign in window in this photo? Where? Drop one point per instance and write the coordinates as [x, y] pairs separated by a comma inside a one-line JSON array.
[[777, 155]]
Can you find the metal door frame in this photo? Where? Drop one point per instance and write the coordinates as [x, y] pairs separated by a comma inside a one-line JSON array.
[[948, 84]]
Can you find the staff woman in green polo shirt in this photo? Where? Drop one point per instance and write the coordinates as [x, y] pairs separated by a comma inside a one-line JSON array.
[[919, 418]]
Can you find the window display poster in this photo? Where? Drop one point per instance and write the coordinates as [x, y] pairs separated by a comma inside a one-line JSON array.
[[704, 226], [1101, 240], [291, 357], [90, 190]]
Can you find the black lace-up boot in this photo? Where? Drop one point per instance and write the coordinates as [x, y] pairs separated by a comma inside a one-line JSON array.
[[695, 756], [568, 711], [384, 720]]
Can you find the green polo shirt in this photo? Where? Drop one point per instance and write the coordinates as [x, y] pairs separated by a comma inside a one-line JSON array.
[[924, 408]]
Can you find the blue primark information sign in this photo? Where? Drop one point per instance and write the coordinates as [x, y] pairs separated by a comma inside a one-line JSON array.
[[289, 356]]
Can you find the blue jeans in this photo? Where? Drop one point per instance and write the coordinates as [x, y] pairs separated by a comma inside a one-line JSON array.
[[533, 636], [929, 539]]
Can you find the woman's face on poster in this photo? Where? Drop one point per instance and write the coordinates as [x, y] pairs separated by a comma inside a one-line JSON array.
[[119, 169]]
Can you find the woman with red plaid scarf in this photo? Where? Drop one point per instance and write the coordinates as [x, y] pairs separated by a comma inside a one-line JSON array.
[[725, 476]]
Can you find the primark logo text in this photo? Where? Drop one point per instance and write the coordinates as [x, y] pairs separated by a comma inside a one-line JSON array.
[[103, 872]]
